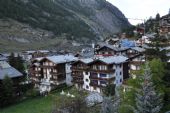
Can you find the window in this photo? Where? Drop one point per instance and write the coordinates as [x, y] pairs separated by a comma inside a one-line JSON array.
[[87, 87], [120, 73], [103, 75], [103, 82], [120, 80], [94, 67], [120, 65], [103, 67]]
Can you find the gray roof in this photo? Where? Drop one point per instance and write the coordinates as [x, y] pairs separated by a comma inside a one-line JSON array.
[[108, 60], [62, 58], [6, 69], [112, 47], [3, 58], [139, 49], [39, 59], [87, 53], [87, 60], [114, 59]]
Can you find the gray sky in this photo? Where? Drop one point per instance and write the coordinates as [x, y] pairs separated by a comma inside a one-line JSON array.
[[142, 9]]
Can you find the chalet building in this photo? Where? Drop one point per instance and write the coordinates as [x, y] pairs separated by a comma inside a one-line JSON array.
[[93, 74], [28, 55], [48, 72], [136, 59], [15, 75], [164, 24], [40, 53], [135, 51], [109, 50], [113, 41]]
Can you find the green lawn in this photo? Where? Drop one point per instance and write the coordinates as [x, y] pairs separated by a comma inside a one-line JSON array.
[[39, 104]]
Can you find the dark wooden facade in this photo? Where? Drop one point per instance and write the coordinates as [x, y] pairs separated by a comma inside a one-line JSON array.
[[46, 69]]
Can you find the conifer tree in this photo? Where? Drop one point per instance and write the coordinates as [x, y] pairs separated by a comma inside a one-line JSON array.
[[110, 105], [6, 92], [147, 99], [20, 64], [12, 60]]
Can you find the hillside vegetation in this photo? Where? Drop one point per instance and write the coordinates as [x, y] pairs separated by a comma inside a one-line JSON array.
[[79, 20]]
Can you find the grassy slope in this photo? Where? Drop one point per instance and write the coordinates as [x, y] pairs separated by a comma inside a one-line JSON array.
[[39, 104]]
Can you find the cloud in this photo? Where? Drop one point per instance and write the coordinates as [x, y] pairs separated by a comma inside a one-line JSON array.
[[142, 9]]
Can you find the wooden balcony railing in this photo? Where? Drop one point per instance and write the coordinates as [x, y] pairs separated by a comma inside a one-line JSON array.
[[102, 78], [102, 71], [77, 75], [79, 68]]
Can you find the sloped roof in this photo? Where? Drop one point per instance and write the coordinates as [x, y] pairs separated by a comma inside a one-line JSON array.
[[127, 43], [139, 49], [62, 58], [108, 60], [112, 47], [6, 69], [87, 60], [114, 59]]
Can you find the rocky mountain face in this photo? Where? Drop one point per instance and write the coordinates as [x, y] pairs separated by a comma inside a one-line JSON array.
[[28, 21]]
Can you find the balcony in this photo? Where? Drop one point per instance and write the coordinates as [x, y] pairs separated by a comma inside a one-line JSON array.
[[101, 78], [102, 71], [47, 66], [79, 68], [57, 79], [77, 76], [57, 73]]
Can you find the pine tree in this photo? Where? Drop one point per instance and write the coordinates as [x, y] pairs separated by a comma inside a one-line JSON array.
[[110, 105], [6, 92], [12, 60], [109, 90], [20, 64], [147, 99], [17, 62], [157, 17], [107, 105]]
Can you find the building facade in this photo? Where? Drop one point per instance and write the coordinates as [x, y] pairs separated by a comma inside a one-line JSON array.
[[164, 24], [95, 74], [49, 72]]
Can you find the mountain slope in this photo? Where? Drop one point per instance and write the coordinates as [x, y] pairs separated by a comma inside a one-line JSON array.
[[75, 19]]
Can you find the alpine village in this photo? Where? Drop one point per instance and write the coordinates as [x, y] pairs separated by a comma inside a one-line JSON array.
[[81, 56]]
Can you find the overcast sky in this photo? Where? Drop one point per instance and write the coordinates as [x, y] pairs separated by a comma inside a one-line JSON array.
[[142, 9]]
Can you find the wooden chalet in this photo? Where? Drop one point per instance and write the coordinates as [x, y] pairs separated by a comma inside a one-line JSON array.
[[94, 74]]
